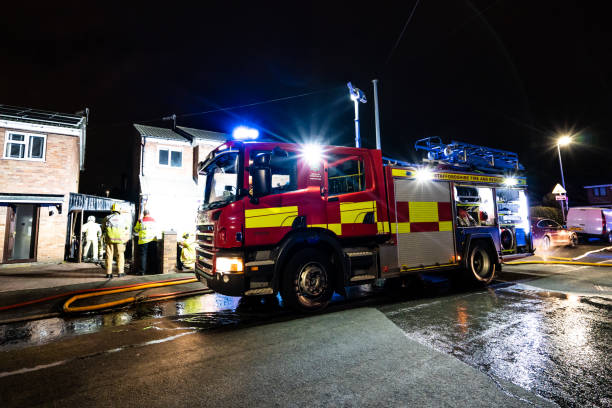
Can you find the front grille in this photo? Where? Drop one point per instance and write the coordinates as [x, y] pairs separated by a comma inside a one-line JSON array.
[[204, 248]]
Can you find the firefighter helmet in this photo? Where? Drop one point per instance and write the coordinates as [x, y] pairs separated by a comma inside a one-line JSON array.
[[115, 207]]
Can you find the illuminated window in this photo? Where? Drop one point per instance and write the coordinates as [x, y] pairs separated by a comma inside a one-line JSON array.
[[345, 174], [24, 146]]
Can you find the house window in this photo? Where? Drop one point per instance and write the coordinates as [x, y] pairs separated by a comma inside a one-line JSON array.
[[169, 157], [24, 146], [600, 192]]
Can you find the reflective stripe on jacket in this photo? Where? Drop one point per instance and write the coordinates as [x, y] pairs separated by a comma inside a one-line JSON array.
[[146, 230], [117, 229]]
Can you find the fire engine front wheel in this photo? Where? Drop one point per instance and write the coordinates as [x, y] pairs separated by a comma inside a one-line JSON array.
[[307, 283], [480, 264]]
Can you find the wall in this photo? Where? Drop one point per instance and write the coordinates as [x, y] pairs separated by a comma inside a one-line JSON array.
[[173, 195], [58, 174], [592, 199]]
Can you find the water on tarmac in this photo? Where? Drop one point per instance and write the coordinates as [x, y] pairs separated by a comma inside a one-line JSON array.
[[555, 345]]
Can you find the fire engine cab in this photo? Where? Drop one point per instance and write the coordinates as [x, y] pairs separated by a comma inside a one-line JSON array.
[[308, 220]]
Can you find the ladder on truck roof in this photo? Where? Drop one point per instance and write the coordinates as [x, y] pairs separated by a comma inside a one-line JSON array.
[[468, 155]]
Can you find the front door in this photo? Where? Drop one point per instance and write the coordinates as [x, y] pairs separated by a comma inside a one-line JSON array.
[[22, 223]]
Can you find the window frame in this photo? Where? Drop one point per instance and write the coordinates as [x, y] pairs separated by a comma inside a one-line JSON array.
[[170, 150], [294, 156], [26, 143], [347, 157]]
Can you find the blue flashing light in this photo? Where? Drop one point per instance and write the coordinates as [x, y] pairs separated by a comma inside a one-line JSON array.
[[245, 133]]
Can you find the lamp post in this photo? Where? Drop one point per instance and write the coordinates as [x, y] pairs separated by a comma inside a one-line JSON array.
[[563, 141]]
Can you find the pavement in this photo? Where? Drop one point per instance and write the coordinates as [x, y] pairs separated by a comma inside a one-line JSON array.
[[29, 282]]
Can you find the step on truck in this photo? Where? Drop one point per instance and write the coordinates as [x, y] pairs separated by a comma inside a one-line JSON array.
[[308, 220]]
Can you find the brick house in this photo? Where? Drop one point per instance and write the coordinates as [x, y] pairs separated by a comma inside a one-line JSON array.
[[42, 156], [165, 174], [599, 195]]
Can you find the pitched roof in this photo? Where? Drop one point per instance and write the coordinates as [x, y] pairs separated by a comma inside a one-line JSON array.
[[200, 134], [41, 117], [159, 133]]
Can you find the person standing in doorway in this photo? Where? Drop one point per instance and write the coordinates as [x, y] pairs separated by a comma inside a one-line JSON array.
[[146, 230], [92, 233], [116, 234]]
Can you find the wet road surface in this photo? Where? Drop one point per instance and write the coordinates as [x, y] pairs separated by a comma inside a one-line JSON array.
[[554, 344]]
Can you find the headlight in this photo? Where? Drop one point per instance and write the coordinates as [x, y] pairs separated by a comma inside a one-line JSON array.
[[228, 265]]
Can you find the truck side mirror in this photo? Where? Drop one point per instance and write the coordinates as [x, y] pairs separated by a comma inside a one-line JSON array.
[[261, 175]]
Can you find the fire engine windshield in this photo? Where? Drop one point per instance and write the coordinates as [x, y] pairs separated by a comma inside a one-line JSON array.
[[221, 180]]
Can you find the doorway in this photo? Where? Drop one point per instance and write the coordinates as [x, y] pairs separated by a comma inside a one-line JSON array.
[[21, 233]]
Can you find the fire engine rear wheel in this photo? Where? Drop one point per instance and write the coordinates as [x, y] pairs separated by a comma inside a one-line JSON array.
[[480, 264], [307, 283]]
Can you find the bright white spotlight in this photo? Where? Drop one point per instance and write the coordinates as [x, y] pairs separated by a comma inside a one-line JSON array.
[[245, 133], [312, 153], [510, 181], [424, 174], [564, 140]]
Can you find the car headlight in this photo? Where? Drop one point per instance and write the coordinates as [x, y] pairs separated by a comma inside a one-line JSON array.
[[228, 265]]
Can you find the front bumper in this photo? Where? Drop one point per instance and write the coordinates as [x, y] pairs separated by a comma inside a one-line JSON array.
[[231, 284]]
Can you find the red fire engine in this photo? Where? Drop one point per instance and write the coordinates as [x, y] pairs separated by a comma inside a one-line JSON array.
[[308, 220]]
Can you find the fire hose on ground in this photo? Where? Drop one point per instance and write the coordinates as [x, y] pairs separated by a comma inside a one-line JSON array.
[[87, 293]]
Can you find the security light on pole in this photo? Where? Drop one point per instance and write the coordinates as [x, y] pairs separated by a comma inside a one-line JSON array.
[[357, 96]]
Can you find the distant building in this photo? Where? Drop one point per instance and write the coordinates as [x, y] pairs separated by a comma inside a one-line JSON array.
[[599, 195], [165, 173], [42, 156]]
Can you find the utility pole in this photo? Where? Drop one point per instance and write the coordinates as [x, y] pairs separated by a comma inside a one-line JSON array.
[[376, 114]]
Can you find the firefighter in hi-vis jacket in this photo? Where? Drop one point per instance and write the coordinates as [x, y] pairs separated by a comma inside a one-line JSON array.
[[146, 230], [117, 233]]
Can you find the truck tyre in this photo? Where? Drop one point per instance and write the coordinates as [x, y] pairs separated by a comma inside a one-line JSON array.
[[307, 284], [480, 264]]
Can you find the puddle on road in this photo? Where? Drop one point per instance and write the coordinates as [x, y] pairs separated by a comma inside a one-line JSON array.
[[556, 345], [47, 330]]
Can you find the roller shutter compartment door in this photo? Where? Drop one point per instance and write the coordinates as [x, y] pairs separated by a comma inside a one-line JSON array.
[[423, 223]]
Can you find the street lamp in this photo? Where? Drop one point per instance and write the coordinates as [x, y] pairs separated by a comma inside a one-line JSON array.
[[563, 141]]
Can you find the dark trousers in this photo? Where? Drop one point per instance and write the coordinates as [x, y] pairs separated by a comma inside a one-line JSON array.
[[148, 252]]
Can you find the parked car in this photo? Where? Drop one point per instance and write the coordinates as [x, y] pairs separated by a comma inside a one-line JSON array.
[[548, 233], [591, 222]]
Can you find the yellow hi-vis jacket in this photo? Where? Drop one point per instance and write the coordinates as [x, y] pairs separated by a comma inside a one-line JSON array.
[[116, 228], [146, 229], [188, 254]]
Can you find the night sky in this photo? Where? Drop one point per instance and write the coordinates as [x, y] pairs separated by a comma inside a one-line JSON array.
[[506, 74]]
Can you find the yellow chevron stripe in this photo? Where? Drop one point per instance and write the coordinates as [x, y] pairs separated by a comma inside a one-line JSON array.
[[354, 213], [423, 211], [270, 217], [445, 225]]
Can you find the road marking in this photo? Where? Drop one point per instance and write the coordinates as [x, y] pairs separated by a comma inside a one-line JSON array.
[[30, 369], [109, 351]]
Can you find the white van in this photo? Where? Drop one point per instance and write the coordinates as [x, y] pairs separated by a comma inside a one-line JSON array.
[[591, 222]]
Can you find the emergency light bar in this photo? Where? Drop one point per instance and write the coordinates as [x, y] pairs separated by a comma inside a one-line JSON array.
[[245, 133]]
